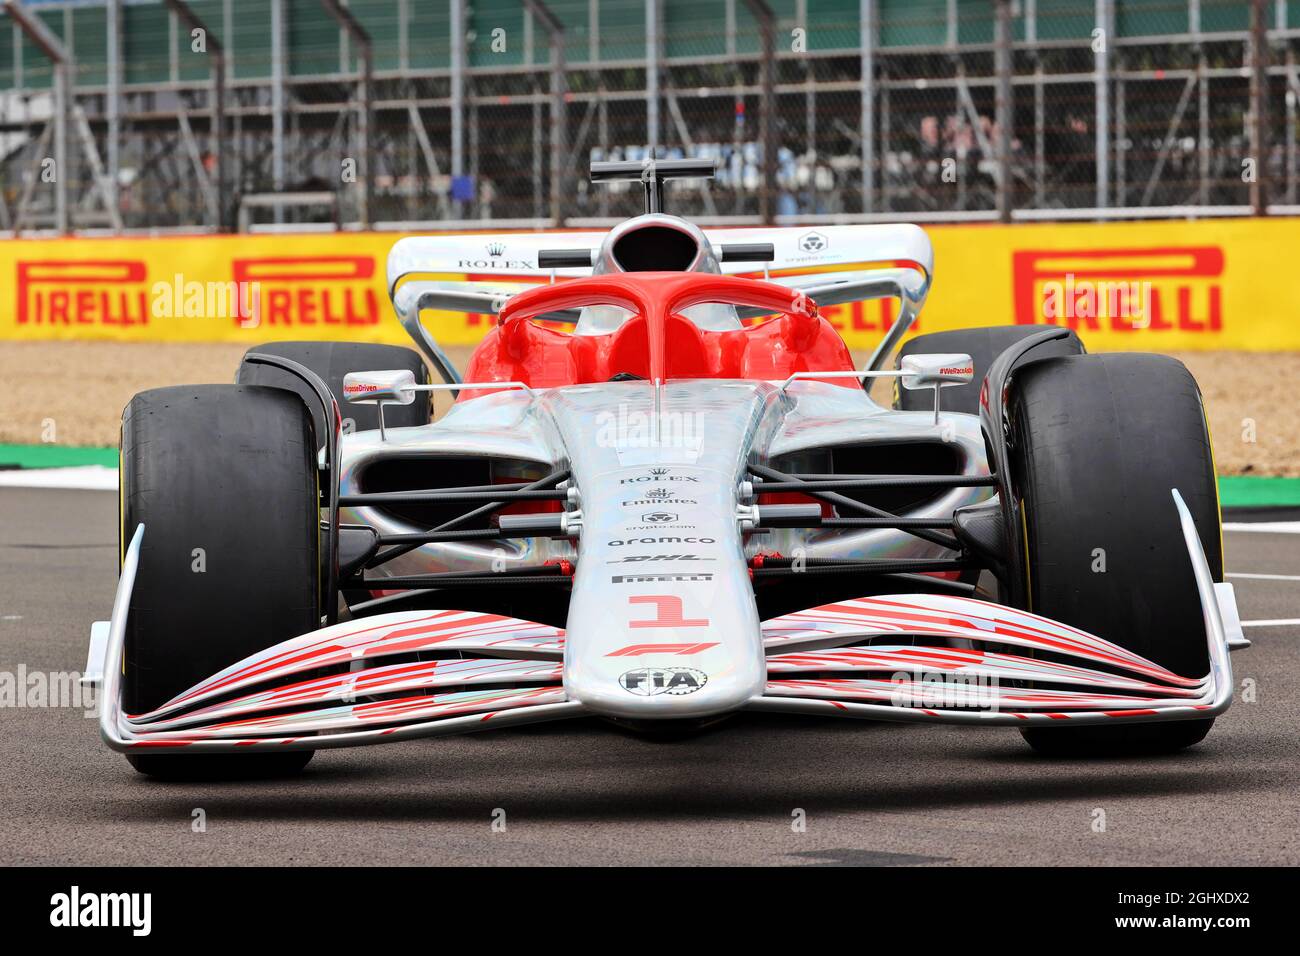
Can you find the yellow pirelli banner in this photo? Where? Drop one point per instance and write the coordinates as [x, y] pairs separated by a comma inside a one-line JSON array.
[[1216, 284]]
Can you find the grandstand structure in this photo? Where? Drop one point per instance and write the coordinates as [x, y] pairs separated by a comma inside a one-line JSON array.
[[221, 115]]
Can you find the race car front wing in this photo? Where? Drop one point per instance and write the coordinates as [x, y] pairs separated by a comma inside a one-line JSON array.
[[430, 673]]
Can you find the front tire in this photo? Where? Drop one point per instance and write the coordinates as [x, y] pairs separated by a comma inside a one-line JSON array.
[[1096, 444], [224, 479]]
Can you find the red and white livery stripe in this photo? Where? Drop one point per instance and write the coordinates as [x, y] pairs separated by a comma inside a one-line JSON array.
[[905, 658]]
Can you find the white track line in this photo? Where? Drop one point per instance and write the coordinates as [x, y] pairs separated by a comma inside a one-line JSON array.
[[1263, 577], [1270, 527], [1280, 622], [85, 478]]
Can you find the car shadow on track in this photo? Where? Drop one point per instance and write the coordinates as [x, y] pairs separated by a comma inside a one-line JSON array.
[[752, 767]]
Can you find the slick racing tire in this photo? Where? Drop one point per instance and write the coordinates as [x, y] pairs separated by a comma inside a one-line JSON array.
[[1096, 444], [224, 479], [333, 360], [983, 345]]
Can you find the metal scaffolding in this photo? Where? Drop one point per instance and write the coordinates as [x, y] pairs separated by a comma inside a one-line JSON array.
[[396, 114]]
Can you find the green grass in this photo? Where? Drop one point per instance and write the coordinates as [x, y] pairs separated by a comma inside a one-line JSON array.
[[1257, 491], [55, 456]]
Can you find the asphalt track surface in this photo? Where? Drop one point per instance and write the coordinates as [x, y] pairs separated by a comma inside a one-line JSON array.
[[581, 792]]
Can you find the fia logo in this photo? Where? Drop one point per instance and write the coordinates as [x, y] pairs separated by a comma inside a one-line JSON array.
[[653, 681]]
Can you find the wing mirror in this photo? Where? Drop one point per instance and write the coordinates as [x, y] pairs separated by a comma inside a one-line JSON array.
[[937, 370], [396, 387], [392, 387], [399, 387]]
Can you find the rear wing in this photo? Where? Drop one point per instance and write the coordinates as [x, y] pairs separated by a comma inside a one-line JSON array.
[[795, 250]]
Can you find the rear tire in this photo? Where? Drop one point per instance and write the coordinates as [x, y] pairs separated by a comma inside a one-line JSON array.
[[333, 360], [1096, 443], [983, 345], [224, 479]]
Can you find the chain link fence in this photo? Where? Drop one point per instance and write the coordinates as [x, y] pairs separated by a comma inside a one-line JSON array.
[[461, 114]]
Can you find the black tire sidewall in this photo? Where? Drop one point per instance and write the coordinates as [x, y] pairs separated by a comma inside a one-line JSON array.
[[224, 479], [1097, 443]]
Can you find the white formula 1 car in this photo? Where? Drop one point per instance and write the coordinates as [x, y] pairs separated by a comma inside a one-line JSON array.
[[662, 496]]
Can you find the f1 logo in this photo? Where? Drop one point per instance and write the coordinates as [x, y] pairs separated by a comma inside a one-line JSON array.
[[636, 650], [668, 612]]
